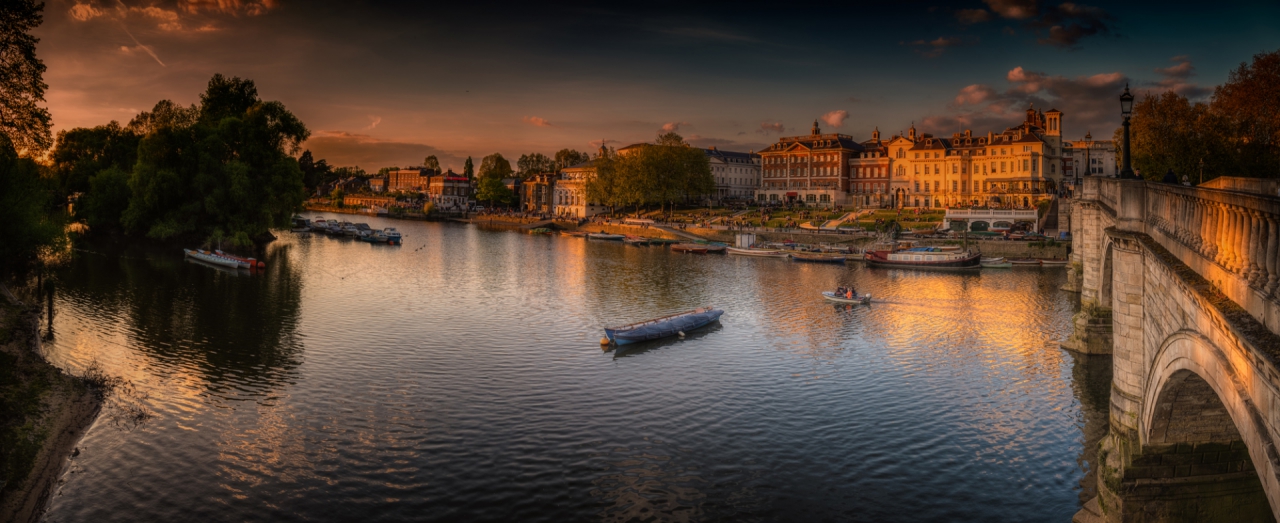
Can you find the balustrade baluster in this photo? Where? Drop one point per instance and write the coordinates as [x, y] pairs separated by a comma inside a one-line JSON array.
[[1273, 255], [1255, 241]]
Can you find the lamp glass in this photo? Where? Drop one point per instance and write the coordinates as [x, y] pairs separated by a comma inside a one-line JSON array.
[[1126, 103]]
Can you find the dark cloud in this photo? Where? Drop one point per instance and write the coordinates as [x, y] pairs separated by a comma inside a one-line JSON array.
[[934, 48], [1069, 23], [1176, 79], [343, 148], [973, 16], [767, 127], [1015, 9], [1088, 103]]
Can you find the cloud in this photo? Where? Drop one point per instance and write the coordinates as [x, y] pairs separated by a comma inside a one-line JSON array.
[[703, 33], [229, 7], [1069, 23], [934, 48], [972, 16], [835, 118], [165, 19], [1177, 76], [975, 94], [342, 148], [84, 12], [766, 128], [1015, 9], [1088, 103], [373, 122], [672, 127], [536, 121]]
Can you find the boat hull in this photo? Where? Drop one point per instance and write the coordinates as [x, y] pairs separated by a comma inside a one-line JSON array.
[[663, 327], [214, 259], [969, 263], [759, 253], [831, 296], [818, 259]]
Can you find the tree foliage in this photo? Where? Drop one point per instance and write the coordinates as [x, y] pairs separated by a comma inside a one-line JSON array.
[[81, 153], [495, 166], [1236, 134], [25, 223], [228, 173], [534, 163], [492, 190], [569, 157], [652, 175], [431, 162], [22, 86], [468, 169]]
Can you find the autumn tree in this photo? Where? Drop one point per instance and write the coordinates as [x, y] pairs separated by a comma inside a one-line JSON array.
[[22, 86], [1167, 132], [1247, 109]]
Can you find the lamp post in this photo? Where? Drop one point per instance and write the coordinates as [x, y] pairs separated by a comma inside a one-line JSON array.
[[1202, 170], [1126, 108]]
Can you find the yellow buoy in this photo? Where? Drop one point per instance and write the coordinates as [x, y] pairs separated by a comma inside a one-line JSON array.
[[604, 341]]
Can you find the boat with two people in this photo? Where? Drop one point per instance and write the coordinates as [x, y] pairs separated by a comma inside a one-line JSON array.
[[846, 295], [658, 328]]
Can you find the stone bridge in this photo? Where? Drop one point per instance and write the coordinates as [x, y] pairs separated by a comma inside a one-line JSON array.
[[1181, 286]]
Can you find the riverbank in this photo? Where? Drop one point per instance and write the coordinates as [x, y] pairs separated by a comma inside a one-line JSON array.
[[43, 414]]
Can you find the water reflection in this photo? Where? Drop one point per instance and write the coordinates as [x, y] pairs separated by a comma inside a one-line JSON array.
[[459, 377]]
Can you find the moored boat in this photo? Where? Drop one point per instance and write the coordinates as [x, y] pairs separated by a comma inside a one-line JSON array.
[[635, 240], [605, 236], [391, 235], [1025, 262], [760, 253], [540, 230], [663, 327], [689, 247], [209, 257], [245, 263], [924, 258], [831, 296], [812, 257], [1053, 262]]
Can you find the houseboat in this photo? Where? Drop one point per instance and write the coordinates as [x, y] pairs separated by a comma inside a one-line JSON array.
[[924, 258]]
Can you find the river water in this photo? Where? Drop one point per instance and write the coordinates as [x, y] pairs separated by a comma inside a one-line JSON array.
[[459, 378]]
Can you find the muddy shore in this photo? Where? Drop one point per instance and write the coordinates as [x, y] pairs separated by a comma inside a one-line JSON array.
[[46, 412]]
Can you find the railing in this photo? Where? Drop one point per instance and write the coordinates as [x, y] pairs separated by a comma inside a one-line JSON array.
[[1002, 213], [1109, 191], [1238, 231]]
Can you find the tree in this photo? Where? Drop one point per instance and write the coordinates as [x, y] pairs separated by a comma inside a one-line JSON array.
[[670, 139], [25, 223], [165, 114], [106, 200], [492, 190], [80, 153], [468, 170], [495, 166], [226, 175], [431, 162], [1167, 132], [569, 157], [1247, 108], [534, 163], [22, 78]]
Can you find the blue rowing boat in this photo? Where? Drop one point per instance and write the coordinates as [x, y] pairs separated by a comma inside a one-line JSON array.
[[662, 327]]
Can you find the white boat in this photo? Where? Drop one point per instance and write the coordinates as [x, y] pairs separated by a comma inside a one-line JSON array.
[[606, 236], [759, 253], [391, 235], [209, 257], [350, 229], [831, 296]]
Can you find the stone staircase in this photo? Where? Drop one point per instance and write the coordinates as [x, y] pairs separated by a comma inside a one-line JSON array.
[[836, 222]]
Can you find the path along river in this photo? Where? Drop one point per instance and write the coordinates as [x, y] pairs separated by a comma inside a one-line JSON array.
[[458, 378]]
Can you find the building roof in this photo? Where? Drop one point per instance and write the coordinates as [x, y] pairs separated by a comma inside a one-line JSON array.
[[714, 152]]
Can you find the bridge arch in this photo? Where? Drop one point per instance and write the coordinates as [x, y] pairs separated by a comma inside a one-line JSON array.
[[1197, 411]]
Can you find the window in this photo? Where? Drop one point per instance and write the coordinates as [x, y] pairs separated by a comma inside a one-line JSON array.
[[935, 186], [955, 168], [1025, 164], [917, 169], [976, 186], [773, 197], [825, 198], [917, 186], [809, 198], [1002, 166], [955, 186]]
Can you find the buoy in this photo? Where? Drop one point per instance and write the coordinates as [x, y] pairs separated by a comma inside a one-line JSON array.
[[680, 333], [604, 341], [262, 265]]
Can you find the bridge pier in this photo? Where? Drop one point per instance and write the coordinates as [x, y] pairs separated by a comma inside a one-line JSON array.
[[1194, 415]]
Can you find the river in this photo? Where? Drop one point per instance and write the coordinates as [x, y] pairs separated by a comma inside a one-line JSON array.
[[459, 377]]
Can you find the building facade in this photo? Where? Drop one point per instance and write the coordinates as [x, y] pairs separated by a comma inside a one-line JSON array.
[[570, 191], [1089, 157], [737, 175], [1014, 168], [448, 191]]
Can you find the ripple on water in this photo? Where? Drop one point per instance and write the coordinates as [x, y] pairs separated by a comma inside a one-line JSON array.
[[458, 377]]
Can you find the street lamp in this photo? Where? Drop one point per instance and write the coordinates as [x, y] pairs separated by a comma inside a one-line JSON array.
[[1126, 108], [1202, 170]]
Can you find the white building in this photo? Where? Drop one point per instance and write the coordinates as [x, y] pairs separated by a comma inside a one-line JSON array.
[[1089, 157], [737, 175], [569, 197]]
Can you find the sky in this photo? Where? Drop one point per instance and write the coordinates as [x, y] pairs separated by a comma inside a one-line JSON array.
[[383, 83]]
